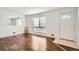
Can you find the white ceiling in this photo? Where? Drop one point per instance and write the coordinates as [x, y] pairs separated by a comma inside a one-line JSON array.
[[24, 10]]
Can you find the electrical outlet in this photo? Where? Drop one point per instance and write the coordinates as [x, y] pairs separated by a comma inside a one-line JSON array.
[[52, 34]]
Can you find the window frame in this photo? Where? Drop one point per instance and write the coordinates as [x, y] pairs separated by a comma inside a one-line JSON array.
[[41, 28]]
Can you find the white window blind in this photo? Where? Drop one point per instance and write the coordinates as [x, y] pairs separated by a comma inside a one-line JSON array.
[[39, 24], [36, 22]]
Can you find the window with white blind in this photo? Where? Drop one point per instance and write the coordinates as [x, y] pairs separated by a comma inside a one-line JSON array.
[[39, 24], [15, 21]]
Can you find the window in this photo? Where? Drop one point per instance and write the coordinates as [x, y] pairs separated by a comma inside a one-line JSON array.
[[12, 21], [19, 22], [66, 17], [15, 21], [42, 22], [39, 24], [36, 22]]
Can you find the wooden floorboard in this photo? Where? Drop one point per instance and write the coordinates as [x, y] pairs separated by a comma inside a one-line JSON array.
[[23, 42]]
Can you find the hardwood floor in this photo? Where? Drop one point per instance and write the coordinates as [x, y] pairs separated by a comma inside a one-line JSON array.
[[24, 42]]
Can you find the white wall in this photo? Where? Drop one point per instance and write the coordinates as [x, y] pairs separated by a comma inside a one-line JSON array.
[[78, 27], [6, 29], [52, 18]]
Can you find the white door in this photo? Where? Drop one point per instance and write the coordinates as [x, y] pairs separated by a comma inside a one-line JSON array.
[[66, 26]]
